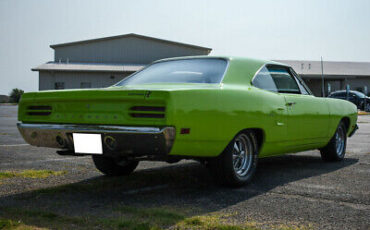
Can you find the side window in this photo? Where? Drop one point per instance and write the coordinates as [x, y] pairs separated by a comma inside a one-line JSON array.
[[343, 95], [339, 95], [302, 88], [263, 80], [284, 82], [352, 97]]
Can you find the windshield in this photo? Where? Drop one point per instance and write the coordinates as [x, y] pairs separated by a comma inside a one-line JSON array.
[[360, 95], [197, 70]]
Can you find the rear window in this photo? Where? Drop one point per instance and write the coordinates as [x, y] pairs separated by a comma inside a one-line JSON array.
[[197, 70]]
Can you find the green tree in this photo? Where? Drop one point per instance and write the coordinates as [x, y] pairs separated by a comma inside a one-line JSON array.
[[15, 95]]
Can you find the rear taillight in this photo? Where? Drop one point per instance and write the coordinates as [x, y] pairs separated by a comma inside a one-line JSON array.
[[39, 110], [147, 111]]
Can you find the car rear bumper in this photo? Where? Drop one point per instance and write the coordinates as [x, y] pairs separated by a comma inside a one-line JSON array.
[[117, 140]]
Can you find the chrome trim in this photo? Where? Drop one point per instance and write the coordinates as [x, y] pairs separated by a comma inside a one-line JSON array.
[[133, 140], [226, 70], [242, 155], [257, 72], [93, 128]]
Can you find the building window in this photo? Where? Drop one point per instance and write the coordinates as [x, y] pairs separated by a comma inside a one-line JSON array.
[[85, 85], [302, 65], [309, 66], [59, 85]]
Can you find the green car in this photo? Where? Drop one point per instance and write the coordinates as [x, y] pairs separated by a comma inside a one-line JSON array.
[[223, 111]]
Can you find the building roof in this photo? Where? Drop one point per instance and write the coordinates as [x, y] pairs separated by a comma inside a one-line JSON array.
[[130, 35], [330, 67], [87, 67]]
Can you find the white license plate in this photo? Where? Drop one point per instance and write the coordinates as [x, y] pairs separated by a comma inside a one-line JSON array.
[[87, 143]]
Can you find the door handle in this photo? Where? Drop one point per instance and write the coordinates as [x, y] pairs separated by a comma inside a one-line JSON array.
[[290, 103]]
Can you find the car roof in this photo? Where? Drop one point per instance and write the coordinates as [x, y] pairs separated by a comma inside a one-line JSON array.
[[344, 91], [230, 58]]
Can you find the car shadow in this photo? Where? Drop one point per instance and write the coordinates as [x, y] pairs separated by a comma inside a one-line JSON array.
[[183, 186]]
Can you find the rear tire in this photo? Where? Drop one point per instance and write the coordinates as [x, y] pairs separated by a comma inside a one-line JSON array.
[[113, 167], [336, 148], [237, 164]]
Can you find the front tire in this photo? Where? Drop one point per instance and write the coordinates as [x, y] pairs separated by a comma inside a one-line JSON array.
[[114, 167], [238, 162], [336, 148]]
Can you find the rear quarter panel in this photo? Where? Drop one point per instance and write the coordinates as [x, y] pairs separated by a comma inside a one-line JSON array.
[[340, 109], [215, 116]]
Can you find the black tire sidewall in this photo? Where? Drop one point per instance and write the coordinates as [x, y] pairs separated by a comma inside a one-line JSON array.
[[110, 167], [224, 169]]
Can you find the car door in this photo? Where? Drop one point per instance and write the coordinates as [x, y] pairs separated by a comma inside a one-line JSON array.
[[273, 104], [307, 115]]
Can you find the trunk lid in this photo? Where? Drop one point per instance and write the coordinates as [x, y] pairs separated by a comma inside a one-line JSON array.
[[114, 106]]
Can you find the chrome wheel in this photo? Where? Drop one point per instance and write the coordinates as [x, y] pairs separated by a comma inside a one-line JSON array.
[[237, 164], [336, 148], [242, 155], [340, 141]]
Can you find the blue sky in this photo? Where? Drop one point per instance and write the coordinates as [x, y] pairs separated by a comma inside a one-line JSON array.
[[338, 30]]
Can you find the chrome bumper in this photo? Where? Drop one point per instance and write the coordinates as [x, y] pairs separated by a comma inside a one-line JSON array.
[[122, 140]]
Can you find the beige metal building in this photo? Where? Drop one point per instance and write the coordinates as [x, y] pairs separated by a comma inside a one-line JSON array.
[[337, 75], [102, 62]]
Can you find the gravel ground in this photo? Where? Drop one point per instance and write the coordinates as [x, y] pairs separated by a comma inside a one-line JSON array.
[[293, 189]]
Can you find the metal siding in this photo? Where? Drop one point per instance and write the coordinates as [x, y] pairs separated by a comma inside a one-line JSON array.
[[46, 80], [124, 50], [359, 83], [72, 80]]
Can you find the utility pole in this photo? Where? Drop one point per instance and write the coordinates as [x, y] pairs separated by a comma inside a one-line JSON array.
[[322, 79]]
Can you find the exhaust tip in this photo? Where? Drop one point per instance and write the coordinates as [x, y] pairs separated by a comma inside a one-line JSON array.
[[60, 141], [110, 142]]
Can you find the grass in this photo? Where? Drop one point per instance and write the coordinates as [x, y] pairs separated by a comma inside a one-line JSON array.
[[211, 222], [155, 216], [44, 219], [51, 220], [30, 173], [7, 103], [7, 224], [130, 218]]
